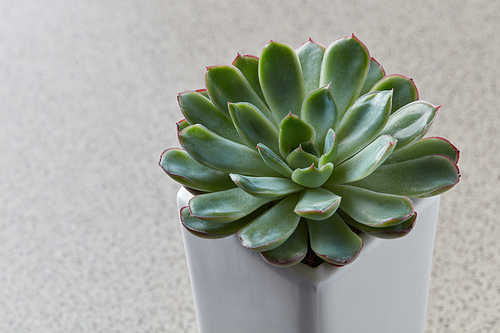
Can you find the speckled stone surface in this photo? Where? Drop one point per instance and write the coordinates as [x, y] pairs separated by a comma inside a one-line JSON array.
[[89, 239]]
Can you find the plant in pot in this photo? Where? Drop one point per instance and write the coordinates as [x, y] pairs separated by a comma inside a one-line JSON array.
[[309, 158]]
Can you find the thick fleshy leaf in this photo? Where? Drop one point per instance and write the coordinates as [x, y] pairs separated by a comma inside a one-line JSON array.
[[222, 154], [200, 110], [345, 65], [292, 251], [274, 161], [266, 187], [310, 147], [187, 171], [362, 123], [281, 79], [426, 175], [311, 56], [320, 111], [333, 241], [410, 123], [372, 208], [211, 230], [294, 131], [405, 90], [253, 126], [226, 84], [224, 206], [312, 177], [182, 124], [317, 204], [375, 73], [331, 149], [426, 147], [272, 228], [363, 163], [203, 92], [395, 231], [299, 158], [249, 66]]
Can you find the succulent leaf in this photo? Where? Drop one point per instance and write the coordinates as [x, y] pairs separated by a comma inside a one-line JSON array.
[[187, 171], [317, 204], [272, 228], [333, 241], [274, 161], [426, 147], [281, 79], [253, 126], [310, 147], [311, 56], [312, 177], [212, 230], [395, 231], [224, 206], [293, 132], [222, 154], [410, 123], [428, 175], [203, 92], [362, 123], [363, 163], [182, 124], [299, 158], [320, 111], [226, 84], [331, 148], [266, 187], [249, 66], [404, 88], [373, 208], [292, 251], [345, 65], [375, 73], [200, 110]]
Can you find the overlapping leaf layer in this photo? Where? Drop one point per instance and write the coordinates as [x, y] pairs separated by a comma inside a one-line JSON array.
[[299, 151]]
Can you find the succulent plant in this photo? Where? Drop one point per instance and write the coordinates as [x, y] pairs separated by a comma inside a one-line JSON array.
[[300, 151]]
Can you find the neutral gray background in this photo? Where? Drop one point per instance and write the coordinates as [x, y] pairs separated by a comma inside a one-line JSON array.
[[89, 239]]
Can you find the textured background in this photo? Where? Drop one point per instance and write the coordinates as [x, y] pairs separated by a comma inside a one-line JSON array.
[[89, 240]]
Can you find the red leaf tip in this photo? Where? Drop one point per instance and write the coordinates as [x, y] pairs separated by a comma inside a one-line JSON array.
[[238, 55]]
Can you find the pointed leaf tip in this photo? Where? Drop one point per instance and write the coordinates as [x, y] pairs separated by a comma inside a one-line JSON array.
[[294, 131], [346, 62], [312, 177]]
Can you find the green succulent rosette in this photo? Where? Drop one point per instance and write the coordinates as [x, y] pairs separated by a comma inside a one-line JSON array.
[[299, 151]]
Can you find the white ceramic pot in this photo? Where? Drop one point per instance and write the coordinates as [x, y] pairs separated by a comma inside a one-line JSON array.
[[384, 290]]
